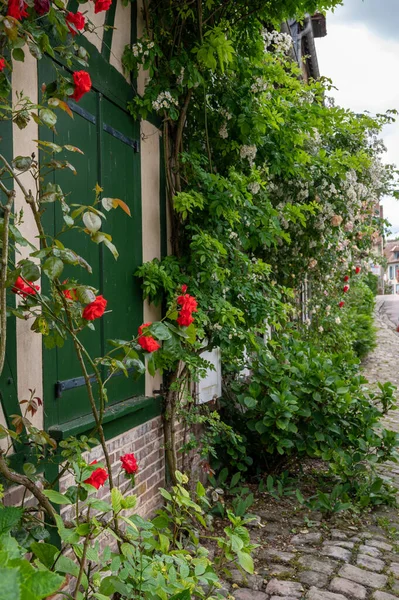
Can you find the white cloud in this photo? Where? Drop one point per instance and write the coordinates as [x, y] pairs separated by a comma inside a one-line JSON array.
[[363, 68]]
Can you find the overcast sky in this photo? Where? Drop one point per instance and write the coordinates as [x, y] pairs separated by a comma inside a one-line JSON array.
[[360, 54]]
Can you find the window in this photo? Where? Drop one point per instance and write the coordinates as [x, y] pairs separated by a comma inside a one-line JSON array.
[[391, 272], [108, 137]]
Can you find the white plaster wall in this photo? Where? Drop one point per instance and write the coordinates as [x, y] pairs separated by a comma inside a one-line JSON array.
[[150, 192], [29, 344], [121, 35], [95, 37]]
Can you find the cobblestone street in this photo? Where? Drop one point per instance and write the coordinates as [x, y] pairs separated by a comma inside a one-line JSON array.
[[317, 559]]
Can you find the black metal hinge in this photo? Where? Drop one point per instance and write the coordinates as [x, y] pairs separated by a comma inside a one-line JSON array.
[[75, 382]]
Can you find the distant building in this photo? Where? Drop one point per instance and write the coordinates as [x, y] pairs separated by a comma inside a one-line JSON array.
[[391, 277]]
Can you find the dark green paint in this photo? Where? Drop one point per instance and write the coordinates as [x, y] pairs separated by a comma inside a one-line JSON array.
[[8, 378], [117, 419], [116, 167], [108, 32]]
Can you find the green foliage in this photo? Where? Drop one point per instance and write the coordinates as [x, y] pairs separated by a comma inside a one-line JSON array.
[[305, 402]]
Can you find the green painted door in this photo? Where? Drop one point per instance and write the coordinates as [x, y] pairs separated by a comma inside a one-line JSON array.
[[106, 134]]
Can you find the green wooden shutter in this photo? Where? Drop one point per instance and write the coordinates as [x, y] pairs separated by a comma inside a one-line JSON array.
[[107, 135]]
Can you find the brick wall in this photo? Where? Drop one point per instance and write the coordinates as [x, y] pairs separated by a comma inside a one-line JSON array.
[[146, 442]]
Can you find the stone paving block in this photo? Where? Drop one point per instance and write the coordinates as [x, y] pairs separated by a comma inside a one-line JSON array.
[[313, 578], [394, 569], [349, 588], [283, 597], [383, 596], [337, 534], [362, 576], [370, 550], [307, 538], [316, 594], [321, 566], [368, 562], [355, 539], [248, 594], [284, 588], [341, 543], [337, 552], [276, 555], [255, 582], [277, 570], [379, 544]]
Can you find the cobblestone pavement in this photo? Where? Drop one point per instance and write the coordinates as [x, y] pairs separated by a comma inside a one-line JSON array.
[[322, 560]]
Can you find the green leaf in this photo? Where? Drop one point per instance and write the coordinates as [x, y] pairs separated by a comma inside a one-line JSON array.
[[246, 562], [9, 517], [44, 552], [53, 267], [30, 271], [116, 499], [48, 117], [10, 587], [56, 497], [160, 331], [44, 583], [18, 54]]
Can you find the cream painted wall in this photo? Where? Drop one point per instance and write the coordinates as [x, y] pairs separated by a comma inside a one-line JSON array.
[[29, 344], [95, 37], [150, 192], [121, 35]]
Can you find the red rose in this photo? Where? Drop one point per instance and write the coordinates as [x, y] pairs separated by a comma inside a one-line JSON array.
[[187, 302], [184, 288], [100, 5], [357, 270], [185, 318], [82, 83], [17, 9], [2, 64], [98, 477], [345, 288], [24, 289], [42, 6], [188, 306], [147, 342], [346, 278], [95, 309], [129, 464], [341, 304], [77, 20]]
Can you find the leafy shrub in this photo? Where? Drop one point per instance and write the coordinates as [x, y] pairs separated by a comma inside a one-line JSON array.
[[305, 402]]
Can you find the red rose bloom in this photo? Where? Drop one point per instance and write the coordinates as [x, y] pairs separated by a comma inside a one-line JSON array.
[[2, 64], [147, 342], [17, 9], [95, 309], [129, 464], [184, 288], [42, 7], [82, 83], [75, 19], [185, 318], [345, 288], [100, 5], [341, 304], [98, 477], [357, 270], [188, 306], [23, 289], [346, 278]]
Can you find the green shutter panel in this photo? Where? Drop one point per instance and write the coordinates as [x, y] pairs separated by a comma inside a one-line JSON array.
[[106, 134]]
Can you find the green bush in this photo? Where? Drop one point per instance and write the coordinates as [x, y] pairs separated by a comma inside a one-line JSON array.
[[304, 402]]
